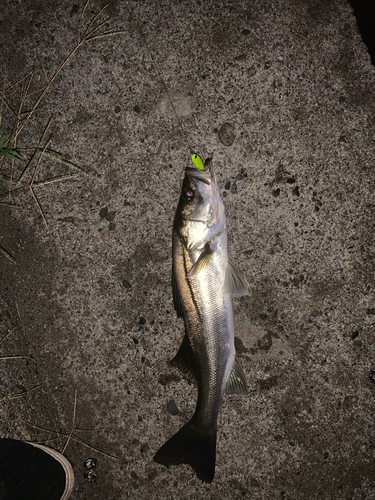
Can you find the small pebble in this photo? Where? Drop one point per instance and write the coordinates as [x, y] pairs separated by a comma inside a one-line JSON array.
[[69, 220], [253, 69], [144, 448], [372, 376], [90, 463], [109, 216], [141, 320], [117, 109], [172, 408], [152, 475], [227, 185], [74, 11], [245, 32], [350, 400], [234, 189], [90, 475], [103, 212], [276, 192], [137, 109], [226, 134]]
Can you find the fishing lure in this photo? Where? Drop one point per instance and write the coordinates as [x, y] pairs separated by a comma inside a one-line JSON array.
[[197, 160]]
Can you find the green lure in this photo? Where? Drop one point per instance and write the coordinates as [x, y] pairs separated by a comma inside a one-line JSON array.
[[197, 160]]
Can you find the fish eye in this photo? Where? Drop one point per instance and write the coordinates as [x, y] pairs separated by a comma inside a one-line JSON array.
[[188, 194]]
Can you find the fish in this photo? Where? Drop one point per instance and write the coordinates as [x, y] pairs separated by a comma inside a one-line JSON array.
[[203, 282]]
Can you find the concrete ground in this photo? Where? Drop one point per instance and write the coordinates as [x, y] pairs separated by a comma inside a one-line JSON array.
[[88, 324]]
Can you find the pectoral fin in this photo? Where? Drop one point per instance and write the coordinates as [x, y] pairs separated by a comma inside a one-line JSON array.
[[202, 262], [184, 359], [235, 283], [237, 380]]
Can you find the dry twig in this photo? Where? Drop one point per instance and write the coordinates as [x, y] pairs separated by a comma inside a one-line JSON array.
[[70, 435], [19, 394], [7, 335], [73, 422], [18, 357]]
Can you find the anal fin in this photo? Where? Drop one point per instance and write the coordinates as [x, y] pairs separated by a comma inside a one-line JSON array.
[[237, 380], [184, 359]]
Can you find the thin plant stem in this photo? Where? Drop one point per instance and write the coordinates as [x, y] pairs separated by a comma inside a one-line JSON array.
[[18, 357], [38, 205], [7, 335], [73, 422], [35, 152]]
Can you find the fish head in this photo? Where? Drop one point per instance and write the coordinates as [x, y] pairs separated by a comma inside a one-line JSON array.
[[200, 211]]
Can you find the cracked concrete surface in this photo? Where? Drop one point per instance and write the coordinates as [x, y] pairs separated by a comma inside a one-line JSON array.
[[89, 297]]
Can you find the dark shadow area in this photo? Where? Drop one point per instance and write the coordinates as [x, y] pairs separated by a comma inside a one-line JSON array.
[[364, 11]]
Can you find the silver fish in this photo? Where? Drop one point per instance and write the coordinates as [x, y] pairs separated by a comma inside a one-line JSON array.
[[203, 280]]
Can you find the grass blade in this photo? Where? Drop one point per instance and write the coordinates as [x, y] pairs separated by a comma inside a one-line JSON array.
[[7, 255], [35, 152], [60, 160], [12, 154], [7, 204]]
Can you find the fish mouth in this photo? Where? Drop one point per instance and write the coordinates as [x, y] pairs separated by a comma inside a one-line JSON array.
[[201, 175]]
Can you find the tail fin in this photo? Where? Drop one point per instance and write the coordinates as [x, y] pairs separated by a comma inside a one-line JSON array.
[[189, 446]]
